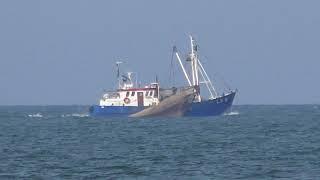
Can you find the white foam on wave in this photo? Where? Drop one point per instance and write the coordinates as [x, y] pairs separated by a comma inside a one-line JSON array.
[[75, 115], [37, 115], [232, 113]]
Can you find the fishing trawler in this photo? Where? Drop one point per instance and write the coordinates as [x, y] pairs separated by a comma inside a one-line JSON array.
[[131, 100]]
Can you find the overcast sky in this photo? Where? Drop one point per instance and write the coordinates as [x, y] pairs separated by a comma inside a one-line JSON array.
[[63, 51]]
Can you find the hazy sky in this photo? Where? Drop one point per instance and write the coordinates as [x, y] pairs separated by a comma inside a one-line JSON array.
[[63, 51]]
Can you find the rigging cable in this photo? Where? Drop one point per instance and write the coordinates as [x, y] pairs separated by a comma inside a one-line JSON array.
[[220, 77], [171, 70]]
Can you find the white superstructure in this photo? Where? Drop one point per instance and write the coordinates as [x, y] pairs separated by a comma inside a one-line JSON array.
[[128, 95]]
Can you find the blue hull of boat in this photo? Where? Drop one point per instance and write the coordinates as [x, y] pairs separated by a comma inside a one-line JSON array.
[[205, 108], [213, 107]]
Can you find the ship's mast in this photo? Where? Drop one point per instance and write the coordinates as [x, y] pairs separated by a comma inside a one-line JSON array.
[[194, 62], [197, 67], [194, 66]]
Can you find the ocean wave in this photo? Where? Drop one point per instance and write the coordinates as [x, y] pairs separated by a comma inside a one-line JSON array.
[[37, 115], [75, 115]]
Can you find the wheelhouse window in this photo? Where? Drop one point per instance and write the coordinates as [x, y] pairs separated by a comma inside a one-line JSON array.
[[112, 96], [150, 93], [127, 95], [147, 93], [133, 93]]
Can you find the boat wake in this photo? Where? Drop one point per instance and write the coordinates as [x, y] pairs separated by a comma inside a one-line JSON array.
[[232, 113], [39, 115]]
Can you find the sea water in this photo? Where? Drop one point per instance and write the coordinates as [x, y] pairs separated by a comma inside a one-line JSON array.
[[250, 142]]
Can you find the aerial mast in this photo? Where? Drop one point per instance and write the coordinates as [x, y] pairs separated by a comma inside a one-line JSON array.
[[118, 73]]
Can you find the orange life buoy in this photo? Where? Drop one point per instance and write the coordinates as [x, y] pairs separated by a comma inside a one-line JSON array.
[[126, 100]]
